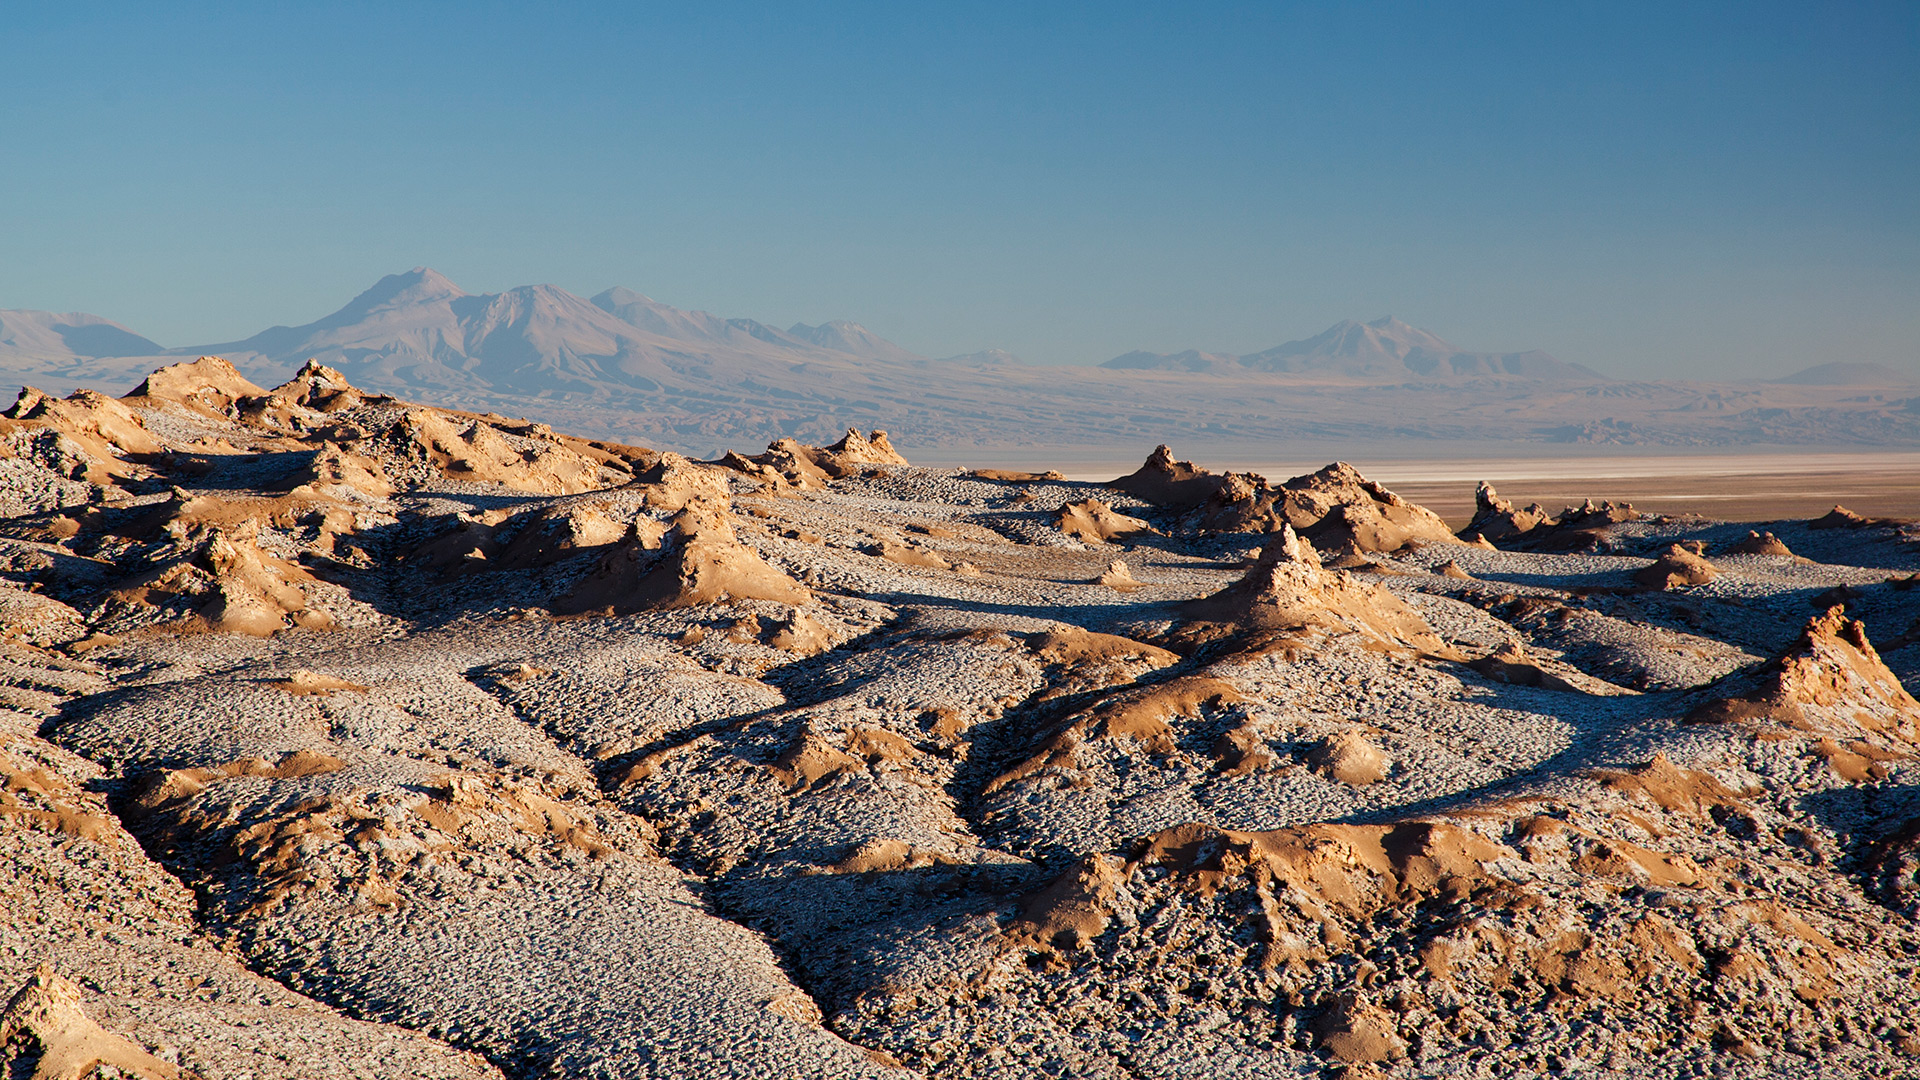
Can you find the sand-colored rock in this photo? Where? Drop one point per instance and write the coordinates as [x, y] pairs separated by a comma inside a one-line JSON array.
[[1349, 757], [333, 467], [477, 452], [46, 1019], [1241, 750], [209, 382], [101, 428], [1142, 716], [1337, 505], [790, 463], [317, 387], [226, 581], [1840, 518], [802, 633], [1163, 481], [812, 759], [1074, 909], [1830, 682], [1097, 523], [1512, 663], [1288, 589], [1759, 543], [303, 683], [1497, 519], [1676, 567], [908, 555], [672, 482], [699, 561], [1352, 1031], [1073, 645], [1118, 576]]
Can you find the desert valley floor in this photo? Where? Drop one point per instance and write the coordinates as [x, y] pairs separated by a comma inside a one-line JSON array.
[[346, 737]]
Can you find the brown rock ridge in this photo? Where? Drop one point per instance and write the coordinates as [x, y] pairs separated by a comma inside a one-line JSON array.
[[1338, 506], [110, 438], [209, 383], [1332, 507], [1140, 715], [1677, 566], [1288, 589], [787, 463], [1832, 689], [1543, 900], [699, 560], [45, 1023], [224, 582], [1097, 523], [1759, 543], [1577, 528]]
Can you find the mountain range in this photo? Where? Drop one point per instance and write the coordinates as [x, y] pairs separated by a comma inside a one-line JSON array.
[[631, 367], [1386, 349]]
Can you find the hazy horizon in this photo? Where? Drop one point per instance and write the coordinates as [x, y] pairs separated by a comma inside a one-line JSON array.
[[1727, 191]]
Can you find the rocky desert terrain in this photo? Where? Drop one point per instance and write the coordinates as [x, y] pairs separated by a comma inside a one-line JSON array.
[[342, 736]]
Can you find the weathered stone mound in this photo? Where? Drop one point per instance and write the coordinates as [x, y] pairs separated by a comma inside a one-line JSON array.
[[699, 560], [478, 452], [209, 383], [1337, 506], [46, 1029], [1830, 689], [1097, 523], [1759, 543], [1676, 567], [217, 577], [1842, 518], [107, 440], [1577, 528], [1165, 482], [1141, 716], [1496, 519], [787, 463], [1333, 507], [1288, 589]]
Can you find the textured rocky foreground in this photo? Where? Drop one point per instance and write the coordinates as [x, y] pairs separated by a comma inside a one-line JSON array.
[[346, 737]]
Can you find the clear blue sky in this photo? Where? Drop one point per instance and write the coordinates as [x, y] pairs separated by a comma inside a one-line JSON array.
[[1655, 189]]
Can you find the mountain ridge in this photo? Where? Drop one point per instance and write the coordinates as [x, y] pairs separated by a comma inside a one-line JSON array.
[[1380, 350], [636, 370]]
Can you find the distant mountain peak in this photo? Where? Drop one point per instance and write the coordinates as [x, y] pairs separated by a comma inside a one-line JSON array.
[[1384, 349], [420, 285], [72, 333], [846, 336], [1845, 373]]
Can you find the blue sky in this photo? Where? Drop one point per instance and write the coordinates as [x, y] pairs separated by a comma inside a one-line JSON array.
[[1653, 190]]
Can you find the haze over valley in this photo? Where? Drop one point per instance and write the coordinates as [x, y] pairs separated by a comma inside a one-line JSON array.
[[624, 366]]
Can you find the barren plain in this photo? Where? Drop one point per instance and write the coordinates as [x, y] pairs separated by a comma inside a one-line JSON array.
[[342, 736]]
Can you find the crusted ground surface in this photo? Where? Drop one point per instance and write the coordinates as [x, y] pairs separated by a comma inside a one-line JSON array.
[[343, 736]]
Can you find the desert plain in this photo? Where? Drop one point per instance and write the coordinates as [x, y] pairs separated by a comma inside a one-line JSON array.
[[343, 736]]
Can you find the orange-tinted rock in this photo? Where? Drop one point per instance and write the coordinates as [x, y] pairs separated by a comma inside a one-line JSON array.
[[1096, 523]]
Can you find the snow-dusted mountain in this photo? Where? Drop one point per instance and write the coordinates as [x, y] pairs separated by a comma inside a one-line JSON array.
[[1385, 349]]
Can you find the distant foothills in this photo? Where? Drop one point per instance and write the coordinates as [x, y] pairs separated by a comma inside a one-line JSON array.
[[632, 367]]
